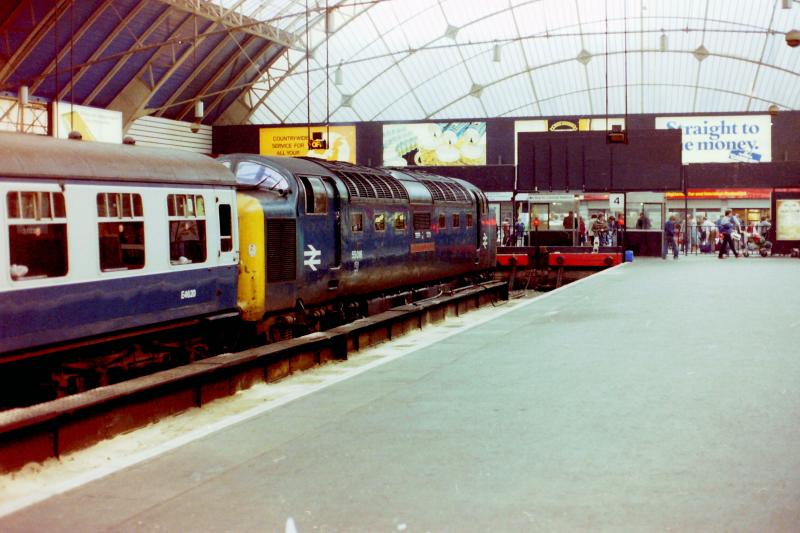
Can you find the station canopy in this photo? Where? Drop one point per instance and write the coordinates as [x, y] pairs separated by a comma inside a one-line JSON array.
[[389, 60], [429, 59]]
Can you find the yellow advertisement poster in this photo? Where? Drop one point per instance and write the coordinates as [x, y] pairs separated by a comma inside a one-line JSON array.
[[788, 220], [293, 142]]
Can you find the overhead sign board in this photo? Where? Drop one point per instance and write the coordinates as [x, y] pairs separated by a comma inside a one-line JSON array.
[[337, 143], [722, 139]]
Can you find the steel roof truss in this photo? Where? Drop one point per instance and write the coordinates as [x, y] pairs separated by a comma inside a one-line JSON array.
[[66, 50], [235, 20], [122, 60]]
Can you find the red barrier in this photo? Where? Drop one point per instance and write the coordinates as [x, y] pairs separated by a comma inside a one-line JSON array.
[[583, 260]]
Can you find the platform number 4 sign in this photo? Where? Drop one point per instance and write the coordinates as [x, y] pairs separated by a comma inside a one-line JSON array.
[[616, 202]]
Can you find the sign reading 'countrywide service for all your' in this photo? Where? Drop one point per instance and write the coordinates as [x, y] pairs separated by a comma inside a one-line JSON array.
[[723, 139]]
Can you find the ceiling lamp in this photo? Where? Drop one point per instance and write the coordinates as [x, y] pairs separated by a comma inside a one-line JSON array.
[[663, 44], [338, 76], [198, 109], [23, 95], [497, 53]]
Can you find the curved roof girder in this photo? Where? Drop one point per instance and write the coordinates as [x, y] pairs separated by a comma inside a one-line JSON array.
[[274, 82], [766, 28], [232, 19]]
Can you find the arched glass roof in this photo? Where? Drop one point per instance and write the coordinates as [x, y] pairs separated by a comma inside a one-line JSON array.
[[441, 59]]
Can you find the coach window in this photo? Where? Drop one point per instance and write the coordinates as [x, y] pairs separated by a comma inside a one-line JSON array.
[[121, 231], [442, 223], [400, 221], [225, 228], [316, 197], [37, 234], [187, 229], [469, 220], [456, 220], [356, 222], [380, 222]]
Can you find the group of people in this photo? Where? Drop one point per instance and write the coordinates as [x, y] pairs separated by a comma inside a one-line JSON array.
[[703, 234], [601, 230]]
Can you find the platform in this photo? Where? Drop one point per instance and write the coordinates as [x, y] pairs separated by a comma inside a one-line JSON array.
[[657, 395]]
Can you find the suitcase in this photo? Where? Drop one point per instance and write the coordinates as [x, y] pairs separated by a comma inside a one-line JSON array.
[[705, 248]]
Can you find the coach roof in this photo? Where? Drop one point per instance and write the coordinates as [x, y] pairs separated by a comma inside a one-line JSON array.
[[36, 156]]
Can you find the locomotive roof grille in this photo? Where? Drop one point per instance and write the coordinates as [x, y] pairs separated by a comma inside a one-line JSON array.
[[360, 185], [445, 191], [364, 182]]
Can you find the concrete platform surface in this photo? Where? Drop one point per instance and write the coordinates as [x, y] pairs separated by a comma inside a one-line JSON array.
[[657, 396]]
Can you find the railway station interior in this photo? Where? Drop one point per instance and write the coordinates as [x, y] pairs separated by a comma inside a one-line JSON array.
[[400, 265]]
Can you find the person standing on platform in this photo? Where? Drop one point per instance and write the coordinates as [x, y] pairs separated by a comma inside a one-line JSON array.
[[611, 236], [764, 226], [569, 221], [692, 239], [643, 222], [725, 229], [599, 229], [670, 238]]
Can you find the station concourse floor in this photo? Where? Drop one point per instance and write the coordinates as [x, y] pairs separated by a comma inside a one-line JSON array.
[[656, 396]]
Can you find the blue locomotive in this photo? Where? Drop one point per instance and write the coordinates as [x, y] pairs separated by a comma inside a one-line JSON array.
[[124, 255]]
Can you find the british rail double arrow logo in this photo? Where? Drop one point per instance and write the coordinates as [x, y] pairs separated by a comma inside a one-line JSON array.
[[313, 257]]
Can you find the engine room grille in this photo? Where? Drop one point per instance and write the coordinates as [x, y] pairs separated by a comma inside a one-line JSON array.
[[382, 186], [281, 250], [422, 221], [445, 191]]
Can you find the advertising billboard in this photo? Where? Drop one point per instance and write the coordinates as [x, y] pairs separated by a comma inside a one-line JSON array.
[[293, 142], [434, 144], [787, 220], [94, 124], [723, 139]]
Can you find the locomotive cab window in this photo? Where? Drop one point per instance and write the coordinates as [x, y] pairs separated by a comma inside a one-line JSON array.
[[400, 221], [253, 175], [456, 220], [187, 229], [356, 222], [37, 234], [121, 231], [469, 220], [380, 222], [316, 196], [442, 223]]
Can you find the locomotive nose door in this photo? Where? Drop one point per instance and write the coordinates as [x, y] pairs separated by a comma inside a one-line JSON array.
[[321, 250], [482, 237]]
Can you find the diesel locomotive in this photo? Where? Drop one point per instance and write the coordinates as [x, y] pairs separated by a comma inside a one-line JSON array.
[[113, 257]]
